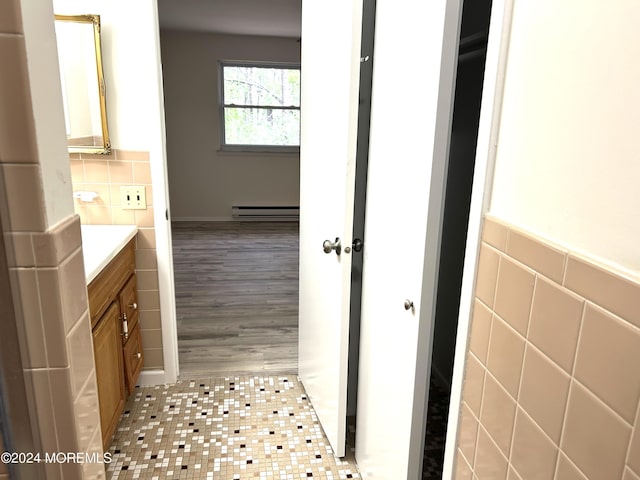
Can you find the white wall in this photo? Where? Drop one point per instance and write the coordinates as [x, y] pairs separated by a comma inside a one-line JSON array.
[[568, 153], [204, 182]]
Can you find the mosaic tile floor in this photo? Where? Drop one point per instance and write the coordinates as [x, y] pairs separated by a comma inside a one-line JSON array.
[[224, 429]]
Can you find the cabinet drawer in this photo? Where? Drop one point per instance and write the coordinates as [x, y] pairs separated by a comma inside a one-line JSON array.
[[133, 358], [105, 287]]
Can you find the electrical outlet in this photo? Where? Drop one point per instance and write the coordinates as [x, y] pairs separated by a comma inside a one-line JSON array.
[[133, 197]]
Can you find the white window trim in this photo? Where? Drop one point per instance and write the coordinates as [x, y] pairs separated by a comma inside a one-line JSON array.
[[224, 147]]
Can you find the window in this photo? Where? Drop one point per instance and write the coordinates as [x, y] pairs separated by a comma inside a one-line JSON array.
[[260, 107]]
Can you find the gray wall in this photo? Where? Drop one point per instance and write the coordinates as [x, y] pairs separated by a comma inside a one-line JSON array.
[[203, 182]]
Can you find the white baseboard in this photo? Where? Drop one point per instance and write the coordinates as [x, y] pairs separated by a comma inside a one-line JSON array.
[[234, 219], [202, 219], [151, 377]]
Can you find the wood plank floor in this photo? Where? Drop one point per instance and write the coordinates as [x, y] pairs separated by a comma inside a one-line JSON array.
[[236, 297]]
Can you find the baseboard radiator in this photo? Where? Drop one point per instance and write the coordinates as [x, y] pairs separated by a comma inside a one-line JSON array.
[[265, 213]]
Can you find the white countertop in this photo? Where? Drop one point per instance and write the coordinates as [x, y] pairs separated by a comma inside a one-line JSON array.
[[101, 244]]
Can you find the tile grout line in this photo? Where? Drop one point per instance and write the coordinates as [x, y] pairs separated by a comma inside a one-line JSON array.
[[634, 430], [571, 387]]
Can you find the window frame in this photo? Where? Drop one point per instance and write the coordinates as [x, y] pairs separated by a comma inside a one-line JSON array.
[[225, 147]]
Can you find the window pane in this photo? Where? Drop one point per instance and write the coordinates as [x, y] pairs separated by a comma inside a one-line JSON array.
[[261, 86], [261, 126]]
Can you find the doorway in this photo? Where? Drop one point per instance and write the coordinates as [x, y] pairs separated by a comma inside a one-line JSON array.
[[228, 271]]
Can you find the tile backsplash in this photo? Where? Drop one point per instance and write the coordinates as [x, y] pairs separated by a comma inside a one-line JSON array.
[[104, 175], [551, 386]]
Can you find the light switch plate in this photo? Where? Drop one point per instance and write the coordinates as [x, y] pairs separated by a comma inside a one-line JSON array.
[[133, 197]]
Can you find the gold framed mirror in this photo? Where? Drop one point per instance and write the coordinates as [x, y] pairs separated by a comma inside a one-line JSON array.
[[82, 80]]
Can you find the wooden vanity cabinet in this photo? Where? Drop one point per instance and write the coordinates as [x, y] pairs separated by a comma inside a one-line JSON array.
[[117, 343]]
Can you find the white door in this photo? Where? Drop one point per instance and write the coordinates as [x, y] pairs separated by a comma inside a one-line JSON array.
[[413, 75], [330, 76]]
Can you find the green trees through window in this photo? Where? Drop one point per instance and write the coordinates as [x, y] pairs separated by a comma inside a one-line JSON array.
[[260, 105]]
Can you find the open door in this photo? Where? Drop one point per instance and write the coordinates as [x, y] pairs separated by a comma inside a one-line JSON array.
[[331, 33], [411, 108], [412, 99]]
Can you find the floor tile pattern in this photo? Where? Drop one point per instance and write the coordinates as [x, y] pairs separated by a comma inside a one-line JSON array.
[[232, 428], [437, 414]]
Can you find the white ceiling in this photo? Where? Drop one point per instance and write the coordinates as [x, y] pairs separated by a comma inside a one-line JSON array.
[[245, 17]]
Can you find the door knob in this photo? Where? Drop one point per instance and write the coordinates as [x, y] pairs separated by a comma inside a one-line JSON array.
[[328, 246], [408, 305]]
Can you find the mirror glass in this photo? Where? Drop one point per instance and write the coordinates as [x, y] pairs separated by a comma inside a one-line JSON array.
[[82, 79]]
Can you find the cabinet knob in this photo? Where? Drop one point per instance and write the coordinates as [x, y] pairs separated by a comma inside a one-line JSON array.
[[134, 306], [137, 355]]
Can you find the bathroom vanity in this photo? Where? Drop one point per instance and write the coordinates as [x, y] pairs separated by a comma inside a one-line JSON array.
[[109, 252]]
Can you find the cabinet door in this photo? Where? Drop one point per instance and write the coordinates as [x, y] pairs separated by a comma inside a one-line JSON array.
[[107, 347], [129, 302], [133, 358]]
